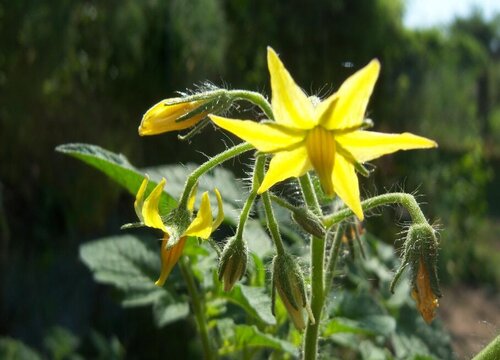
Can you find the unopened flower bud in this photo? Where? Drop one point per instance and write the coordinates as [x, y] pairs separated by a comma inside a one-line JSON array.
[[183, 112], [233, 262], [289, 282], [309, 222], [420, 255]]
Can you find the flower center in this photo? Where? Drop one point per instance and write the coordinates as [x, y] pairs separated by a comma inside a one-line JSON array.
[[320, 145]]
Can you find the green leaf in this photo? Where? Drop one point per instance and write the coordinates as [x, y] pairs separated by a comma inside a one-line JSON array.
[[61, 343], [131, 266], [166, 313], [115, 166], [253, 300], [246, 337], [258, 271], [257, 239], [369, 325], [13, 349], [370, 351]]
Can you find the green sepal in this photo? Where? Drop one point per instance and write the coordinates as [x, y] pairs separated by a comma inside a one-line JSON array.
[[233, 262], [309, 222]]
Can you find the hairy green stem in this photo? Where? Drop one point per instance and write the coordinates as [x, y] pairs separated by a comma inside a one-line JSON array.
[[407, 200], [309, 194], [490, 352], [209, 165], [255, 98], [284, 204], [272, 224], [332, 258], [198, 308], [259, 163], [317, 273]]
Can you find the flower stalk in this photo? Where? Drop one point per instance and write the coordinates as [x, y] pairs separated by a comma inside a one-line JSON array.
[[192, 179], [197, 303]]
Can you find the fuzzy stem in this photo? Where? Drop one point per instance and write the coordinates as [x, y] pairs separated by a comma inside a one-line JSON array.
[[255, 98], [198, 308], [491, 351], [407, 200], [272, 224], [309, 194], [332, 258], [259, 163], [284, 204], [209, 165], [317, 273]]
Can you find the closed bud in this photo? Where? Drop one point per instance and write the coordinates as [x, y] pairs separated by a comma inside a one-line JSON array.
[[289, 282], [420, 255], [309, 222], [183, 112], [233, 262]]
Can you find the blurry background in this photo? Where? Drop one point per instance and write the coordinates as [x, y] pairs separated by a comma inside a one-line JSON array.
[[85, 71]]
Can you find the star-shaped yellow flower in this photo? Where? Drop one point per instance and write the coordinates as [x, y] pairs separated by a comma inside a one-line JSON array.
[[174, 231], [326, 136]]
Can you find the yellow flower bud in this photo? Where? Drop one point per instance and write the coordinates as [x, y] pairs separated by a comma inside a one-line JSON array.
[[171, 115]]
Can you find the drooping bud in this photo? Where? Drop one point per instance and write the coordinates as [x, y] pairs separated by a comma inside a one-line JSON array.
[[287, 279], [420, 255], [309, 222], [233, 262]]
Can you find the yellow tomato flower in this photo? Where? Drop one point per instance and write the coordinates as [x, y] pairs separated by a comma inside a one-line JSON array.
[[166, 115], [326, 136], [423, 294], [201, 226]]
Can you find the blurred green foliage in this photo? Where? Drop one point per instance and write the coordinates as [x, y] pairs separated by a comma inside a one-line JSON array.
[[86, 71]]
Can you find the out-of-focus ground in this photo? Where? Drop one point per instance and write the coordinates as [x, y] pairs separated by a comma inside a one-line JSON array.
[[472, 315]]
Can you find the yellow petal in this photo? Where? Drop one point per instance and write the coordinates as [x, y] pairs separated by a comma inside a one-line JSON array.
[[324, 110], [321, 146], [345, 184], [161, 117], [284, 165], [202, 224], [139, 198], [369, 145], [220, 211], [291, 106], [353, 97], [267, 137], [150, 212], [192, 198], [169, 257]]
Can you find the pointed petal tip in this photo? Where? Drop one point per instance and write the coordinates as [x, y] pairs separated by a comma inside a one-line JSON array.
[[160, 283], [375, 62], [271, 51]]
